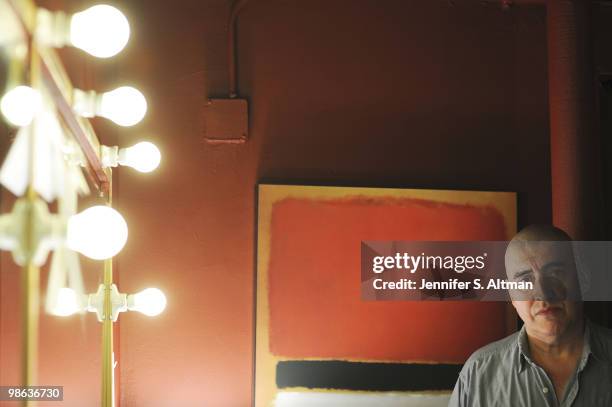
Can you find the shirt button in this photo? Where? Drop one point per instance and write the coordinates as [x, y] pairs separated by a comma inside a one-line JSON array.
[[545, 390]]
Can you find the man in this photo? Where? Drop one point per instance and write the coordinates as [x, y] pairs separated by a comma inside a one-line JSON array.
[[557, 358]]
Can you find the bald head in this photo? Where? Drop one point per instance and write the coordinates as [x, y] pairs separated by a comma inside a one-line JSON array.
[[541, 232]]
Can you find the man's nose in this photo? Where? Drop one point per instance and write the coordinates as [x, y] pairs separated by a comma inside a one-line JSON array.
[[549, 289]]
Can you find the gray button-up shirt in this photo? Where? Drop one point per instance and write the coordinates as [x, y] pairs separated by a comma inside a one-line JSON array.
[[503, 374]]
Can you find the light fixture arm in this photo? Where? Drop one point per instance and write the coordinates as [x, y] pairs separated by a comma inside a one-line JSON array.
[[95, 303], [109, 155], [52, 28], [48, 231], [85, 103]]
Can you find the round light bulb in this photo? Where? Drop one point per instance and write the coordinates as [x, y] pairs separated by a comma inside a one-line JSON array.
[[126, 106], [66, 304], [101, 31], [20, 105], [99, 232], [144, 156], [150, 301]]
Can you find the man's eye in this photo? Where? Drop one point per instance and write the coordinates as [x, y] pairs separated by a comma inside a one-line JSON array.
[[526, 278], [558, 271]]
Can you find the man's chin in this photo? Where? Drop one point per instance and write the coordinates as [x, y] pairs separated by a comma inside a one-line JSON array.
[[550, 327]]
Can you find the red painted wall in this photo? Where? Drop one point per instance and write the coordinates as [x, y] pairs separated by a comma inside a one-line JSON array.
[[431, 94]]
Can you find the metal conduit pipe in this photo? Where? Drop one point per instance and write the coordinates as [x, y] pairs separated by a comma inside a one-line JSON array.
[[575, 160]]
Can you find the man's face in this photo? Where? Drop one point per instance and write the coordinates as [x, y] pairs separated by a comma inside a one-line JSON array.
[[554, 303]]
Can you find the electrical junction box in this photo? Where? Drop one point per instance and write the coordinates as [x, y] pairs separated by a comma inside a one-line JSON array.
[[226, 121]]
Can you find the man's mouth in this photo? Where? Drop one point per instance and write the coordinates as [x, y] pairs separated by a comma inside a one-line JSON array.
[[548, 311]]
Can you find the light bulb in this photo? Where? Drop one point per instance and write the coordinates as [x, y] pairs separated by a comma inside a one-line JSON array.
[[66, 304], [101, 31], [99, 232], [126, 106], [20, 105], [144, 156], [150, 301]]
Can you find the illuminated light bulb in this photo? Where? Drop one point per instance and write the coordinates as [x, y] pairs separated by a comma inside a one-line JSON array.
[[20, 105], [150, 301], [66, 304], [126, 106], [144, 156], [99, 232], [102, 31]]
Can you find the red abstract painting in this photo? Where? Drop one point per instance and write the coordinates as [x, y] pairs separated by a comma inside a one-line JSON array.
[[309, 299]]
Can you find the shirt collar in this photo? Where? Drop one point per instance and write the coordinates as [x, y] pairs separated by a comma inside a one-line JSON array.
[[590, 348], [523, 349]]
